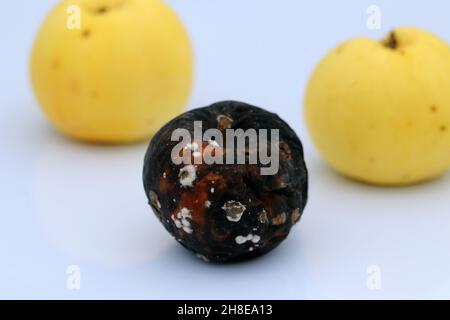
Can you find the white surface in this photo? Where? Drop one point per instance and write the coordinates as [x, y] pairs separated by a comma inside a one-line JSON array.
[[64, 203]]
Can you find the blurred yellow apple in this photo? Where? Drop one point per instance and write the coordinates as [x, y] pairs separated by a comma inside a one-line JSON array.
[[379, 112], [111, 71]]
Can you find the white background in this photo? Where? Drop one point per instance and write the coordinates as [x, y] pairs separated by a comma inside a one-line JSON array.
[[64, 203]]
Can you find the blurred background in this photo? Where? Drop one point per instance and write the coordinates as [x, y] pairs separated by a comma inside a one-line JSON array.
[[68, 206]]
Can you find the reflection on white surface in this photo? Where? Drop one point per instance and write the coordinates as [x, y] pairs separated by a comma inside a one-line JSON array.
[[91, 203], [403, 231], [65, 203]]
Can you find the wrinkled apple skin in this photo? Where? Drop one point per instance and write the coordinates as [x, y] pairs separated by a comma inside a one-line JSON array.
[[117, 79], [379, 112]]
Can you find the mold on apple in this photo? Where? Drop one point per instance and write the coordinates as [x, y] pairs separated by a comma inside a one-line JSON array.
[[226, 211]]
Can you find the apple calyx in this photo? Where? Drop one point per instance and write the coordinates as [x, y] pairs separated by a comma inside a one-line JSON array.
[[391, 41]]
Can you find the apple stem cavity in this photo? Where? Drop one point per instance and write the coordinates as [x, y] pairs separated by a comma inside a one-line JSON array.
[[391, 41]]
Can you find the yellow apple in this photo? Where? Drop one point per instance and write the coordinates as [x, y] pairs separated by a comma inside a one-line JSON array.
[[111, 71], [379, 112]]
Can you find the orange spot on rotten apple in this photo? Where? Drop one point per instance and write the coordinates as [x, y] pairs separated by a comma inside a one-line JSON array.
[[164, 185], [194, 198]]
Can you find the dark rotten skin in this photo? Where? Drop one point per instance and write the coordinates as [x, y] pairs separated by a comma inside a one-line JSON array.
[[231, 212]]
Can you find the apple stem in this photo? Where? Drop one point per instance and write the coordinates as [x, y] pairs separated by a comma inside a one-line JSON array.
[[391, 41]]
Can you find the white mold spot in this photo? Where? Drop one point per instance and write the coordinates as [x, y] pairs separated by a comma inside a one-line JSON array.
[[207, 204], [202, 257], [256, 238], [182, 220], [185, 213], [187, 229], [241, 239], [178, 224], [250, 237], [186, 223], [212, 190], [234, 210], [187, 175], [262, 217], [155, 200]]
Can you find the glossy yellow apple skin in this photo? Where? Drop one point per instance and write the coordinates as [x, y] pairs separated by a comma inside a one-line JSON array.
[[379, 112], [119, 78]]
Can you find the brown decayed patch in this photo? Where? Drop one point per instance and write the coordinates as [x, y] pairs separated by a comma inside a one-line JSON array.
[[220, 236], [194, 199], [285, 151], [271, 201], [278, 236], [262, 217], [295, 215], [278, 182], [164, 185], [224, 122], [154, 200], [279, 219]]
